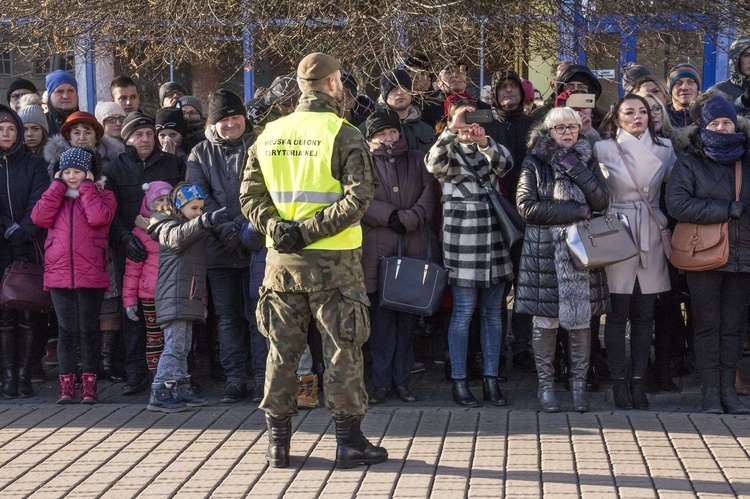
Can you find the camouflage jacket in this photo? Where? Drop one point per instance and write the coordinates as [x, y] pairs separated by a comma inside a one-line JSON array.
[[315, 270]]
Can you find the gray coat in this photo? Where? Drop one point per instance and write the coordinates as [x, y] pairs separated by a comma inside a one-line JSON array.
[[181, 284], [216, 165]]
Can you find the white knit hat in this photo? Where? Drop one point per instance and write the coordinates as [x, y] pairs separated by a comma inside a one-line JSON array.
[[105, 110], [34, 114]]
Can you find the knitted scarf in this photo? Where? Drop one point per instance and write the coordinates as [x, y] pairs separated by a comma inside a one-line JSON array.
[[726, 148], [574, 305]]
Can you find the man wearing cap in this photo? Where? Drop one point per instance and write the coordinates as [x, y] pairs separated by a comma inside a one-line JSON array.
[[215, 165], [307, 183], [429, 99], [17, 89], [141, 162], [510, 127], [684, 85], [395, 95], [124, 91], [170, 92], [62, 99]]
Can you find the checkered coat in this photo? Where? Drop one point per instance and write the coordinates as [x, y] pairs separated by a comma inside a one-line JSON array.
[[474, 253]]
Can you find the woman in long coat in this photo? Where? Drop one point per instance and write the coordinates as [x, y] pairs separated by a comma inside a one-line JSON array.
[[634, 283]]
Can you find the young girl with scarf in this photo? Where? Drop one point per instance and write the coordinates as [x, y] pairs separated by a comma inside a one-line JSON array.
[[702, 191], [559, 185]]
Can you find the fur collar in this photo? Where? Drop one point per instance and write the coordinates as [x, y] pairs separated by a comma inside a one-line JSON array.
[[108, 149], [543, 146]]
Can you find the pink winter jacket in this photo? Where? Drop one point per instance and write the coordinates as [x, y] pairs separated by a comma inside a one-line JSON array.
[[140, 278], [75, 253]]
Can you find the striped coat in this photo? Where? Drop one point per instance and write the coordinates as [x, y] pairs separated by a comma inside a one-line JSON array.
[[474, 252]]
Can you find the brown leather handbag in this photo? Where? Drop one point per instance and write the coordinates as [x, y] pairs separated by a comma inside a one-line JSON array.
[[22, 288], [697, 247]]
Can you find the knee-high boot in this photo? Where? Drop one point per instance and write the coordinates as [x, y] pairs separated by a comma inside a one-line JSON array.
[[543, 342], [579, 348], [10, 372], [109, 346], [26, 352]]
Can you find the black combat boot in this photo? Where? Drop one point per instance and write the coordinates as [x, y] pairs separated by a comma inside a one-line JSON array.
[[352, 448], [279, 438], [8, 348]]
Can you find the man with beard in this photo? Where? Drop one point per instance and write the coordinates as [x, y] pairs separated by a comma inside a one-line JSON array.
[[684, 85], [307, 183]]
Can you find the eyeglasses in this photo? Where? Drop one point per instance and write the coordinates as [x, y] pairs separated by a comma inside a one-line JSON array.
[[561, 129], [18, 96], [191, 114], [114, 119], [656, 110], [577, 86]]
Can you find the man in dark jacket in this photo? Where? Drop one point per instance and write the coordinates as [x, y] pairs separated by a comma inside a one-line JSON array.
[[572, 77], [215, 165], [62, 99], [141, 162], [739, 68], [684, 85], [511, 129], [429, 99]]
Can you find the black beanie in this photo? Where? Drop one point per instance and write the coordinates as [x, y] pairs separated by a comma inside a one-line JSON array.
[[171, 118], [380, 120], [224, 103], [394, 79], [17, 84], [133, 122]]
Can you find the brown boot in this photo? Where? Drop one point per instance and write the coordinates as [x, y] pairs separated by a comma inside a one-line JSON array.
[[307, 391]]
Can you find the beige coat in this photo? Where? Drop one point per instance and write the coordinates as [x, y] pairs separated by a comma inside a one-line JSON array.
[[651, 165]]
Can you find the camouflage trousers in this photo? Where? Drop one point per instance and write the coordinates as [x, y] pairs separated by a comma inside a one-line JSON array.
[[342, 318]]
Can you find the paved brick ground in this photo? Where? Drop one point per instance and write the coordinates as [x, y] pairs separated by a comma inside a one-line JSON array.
[[117, 449]]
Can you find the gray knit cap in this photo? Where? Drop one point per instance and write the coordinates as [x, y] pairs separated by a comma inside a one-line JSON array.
[[34, 114]]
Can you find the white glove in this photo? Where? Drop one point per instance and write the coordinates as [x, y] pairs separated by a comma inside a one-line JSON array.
[[132, 312]]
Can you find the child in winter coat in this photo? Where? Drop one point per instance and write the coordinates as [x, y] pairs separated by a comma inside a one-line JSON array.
[[179, 225], [77, 213], [139, 281]]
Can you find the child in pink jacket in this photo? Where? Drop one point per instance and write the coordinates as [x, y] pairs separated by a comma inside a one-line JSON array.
[[77, 213], [139, 281]]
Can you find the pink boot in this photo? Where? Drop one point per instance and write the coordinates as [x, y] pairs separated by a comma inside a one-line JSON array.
[[67, 389], [88, 389]]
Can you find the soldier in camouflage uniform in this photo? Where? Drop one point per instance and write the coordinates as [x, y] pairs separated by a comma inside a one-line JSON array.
[[313, 269]]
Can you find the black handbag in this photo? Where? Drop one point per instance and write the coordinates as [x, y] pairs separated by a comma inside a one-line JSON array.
[[410, 284], [512, 226]]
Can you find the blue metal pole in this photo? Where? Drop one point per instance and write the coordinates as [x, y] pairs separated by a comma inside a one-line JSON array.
[[90, 69], [247, 55], [481, 57]]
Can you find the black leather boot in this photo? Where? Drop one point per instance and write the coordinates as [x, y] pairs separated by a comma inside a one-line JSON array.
[[462, 395], [279, 439], [579, 351], [352, 448], [621, 393], [10, 372], [729, 399], [638, 393], [543, 342], [491, 391], [26, 352], [109, 345]]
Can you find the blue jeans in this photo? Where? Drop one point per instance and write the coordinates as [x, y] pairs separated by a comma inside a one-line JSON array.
[[77, 313], [178, 336], [491, 305]]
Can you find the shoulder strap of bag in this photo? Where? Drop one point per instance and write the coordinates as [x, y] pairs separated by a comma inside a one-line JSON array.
[[638, 187], [482, 183]]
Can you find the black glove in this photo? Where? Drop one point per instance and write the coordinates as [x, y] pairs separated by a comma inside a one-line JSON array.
[[218, 217], [19, 237], [134, 248], [569, 160], [19, 252], [395, 224], [287, 238], [585, 212], [229, 235], [736, 208]]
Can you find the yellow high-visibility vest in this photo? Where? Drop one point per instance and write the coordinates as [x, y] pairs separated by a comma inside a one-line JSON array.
[[295, 154]]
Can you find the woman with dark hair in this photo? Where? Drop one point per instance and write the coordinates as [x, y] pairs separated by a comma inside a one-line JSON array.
[[634, 153], [23, 179], [702, 191], [559, 185], [475, 254]]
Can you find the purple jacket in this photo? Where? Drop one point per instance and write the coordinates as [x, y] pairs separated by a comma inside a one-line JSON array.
[[405, 186], [75, 253]]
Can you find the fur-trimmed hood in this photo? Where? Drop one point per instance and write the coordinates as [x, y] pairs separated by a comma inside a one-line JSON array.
[[108, 148], [543, 146], [688, 140]]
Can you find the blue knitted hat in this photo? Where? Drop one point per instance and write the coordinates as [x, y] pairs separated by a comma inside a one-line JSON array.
[[77, 158], [57, 78], [717, 107], [187, 193]]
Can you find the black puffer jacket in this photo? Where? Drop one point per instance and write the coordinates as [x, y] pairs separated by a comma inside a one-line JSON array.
[[511, 129], [701, 189], [23, 180], [537, 288]]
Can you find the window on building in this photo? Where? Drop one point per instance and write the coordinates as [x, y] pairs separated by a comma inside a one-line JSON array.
[[45, 65], [6, 64]]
